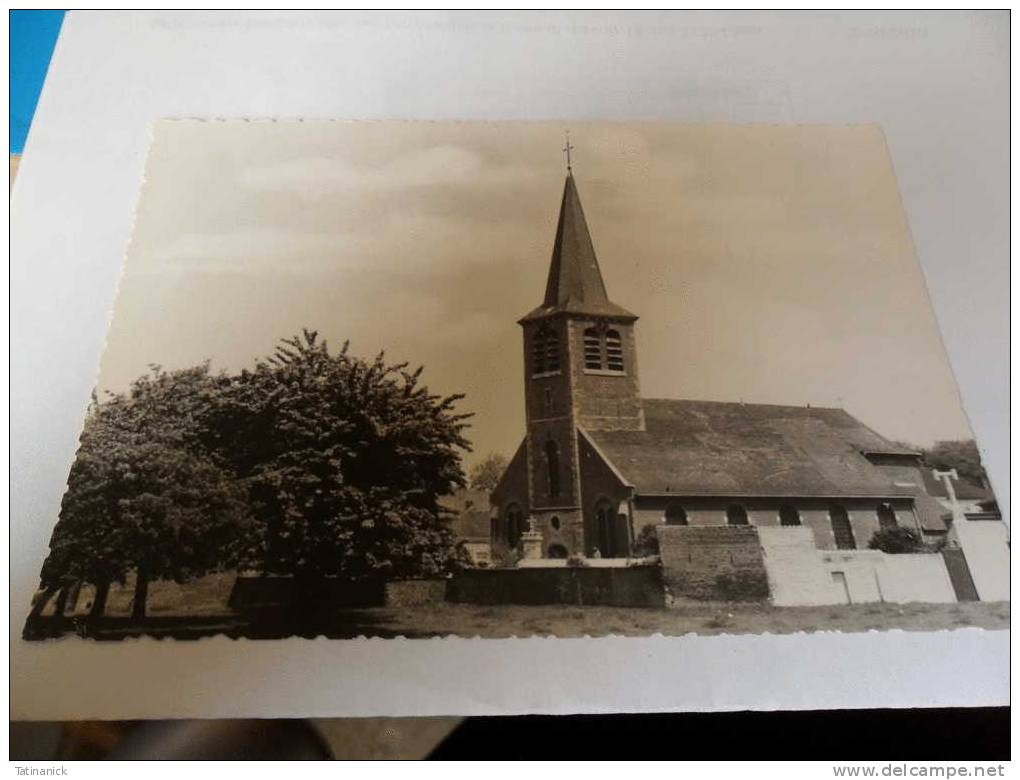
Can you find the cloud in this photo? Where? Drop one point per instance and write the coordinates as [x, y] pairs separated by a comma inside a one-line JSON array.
[[398, 242], [430, 167], [248, 249]]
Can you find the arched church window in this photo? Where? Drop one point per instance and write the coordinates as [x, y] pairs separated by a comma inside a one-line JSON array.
[[614, 351], [545, 351], [676, 515], [592, 350], [552, 464], [557, 551], [842, 531], [736, 515], [605, 526], [788, 515], [555, 523], [886, 516], [514, 525]]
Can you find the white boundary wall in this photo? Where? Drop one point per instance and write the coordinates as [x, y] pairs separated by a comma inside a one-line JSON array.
[[985, 545], [801, 575]]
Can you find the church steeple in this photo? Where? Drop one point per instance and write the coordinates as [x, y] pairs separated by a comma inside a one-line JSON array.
[[575, 283], [580, 376]]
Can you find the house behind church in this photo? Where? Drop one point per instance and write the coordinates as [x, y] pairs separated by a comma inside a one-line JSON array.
[[598, 461], [469, 510]]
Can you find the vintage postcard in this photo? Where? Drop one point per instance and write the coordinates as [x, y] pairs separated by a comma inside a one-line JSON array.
[[399, 379]]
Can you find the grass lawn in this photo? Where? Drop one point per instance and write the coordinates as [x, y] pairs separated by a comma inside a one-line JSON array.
[[200, 609], [566, 621]]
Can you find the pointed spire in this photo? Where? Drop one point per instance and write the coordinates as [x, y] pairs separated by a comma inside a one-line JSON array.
[[575, 281], [574, 271]]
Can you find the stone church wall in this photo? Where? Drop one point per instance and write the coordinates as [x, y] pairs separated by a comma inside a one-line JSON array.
[[605, 401], [512, 489], [631, 586], [764, 512], [546, 396], [598, 481], [562, 433], [560, 528]]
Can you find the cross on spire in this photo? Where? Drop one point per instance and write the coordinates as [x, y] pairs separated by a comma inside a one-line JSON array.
[[568, 149]]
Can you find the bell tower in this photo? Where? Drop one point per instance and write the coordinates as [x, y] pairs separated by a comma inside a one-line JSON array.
[[580, 364]]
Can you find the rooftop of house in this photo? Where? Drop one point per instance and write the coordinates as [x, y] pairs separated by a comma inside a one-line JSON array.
[[965, 490], [738, 449], [471, 508]]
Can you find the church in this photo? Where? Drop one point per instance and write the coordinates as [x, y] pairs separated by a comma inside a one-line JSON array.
[[598, 462]]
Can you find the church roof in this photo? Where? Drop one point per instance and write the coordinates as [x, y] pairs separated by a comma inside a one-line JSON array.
[[575, 282], [471, 513], [736, 449]]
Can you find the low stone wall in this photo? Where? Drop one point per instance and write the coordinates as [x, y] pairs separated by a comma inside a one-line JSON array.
[[634, 586], [265, 592], [415, 593], [712, 563], [801, 575]]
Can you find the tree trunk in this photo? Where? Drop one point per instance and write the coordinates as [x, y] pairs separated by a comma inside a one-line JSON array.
[[42, 601], [61, 605], [141, 594], [99, 602]]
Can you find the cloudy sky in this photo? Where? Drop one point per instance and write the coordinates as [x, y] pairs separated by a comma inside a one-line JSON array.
[[770, 264]]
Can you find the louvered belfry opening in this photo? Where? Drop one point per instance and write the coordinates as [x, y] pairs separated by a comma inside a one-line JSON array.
[[592, 350], [614, 351], [545, 351], [603, 349]]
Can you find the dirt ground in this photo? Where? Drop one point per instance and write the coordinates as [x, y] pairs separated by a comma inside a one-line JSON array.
[[504, 621]]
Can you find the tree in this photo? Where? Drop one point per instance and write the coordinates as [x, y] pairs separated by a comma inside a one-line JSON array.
[[310, 465], [345, 461], [896, 541], [646, 542], [487, 472], [961, 455], [144, 494]]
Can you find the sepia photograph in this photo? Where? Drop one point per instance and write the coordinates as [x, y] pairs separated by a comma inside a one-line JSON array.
[[496, 379]]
